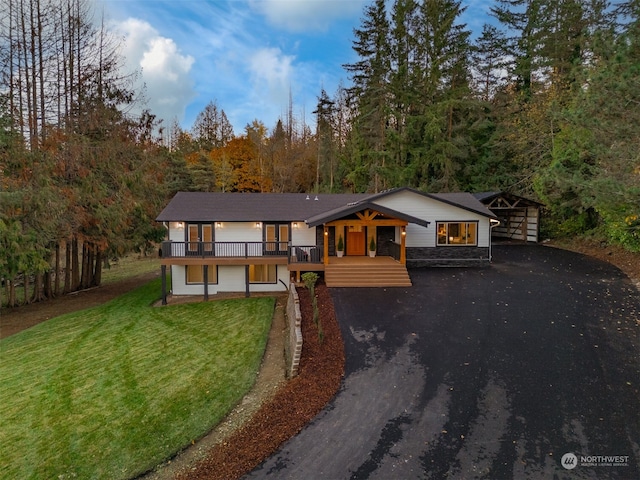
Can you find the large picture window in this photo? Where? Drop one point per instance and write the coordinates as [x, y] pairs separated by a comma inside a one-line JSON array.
[[457, 233], [262, 273], [195, 274]]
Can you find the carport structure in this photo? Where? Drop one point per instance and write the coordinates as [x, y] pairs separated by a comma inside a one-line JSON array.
[[519, 217]]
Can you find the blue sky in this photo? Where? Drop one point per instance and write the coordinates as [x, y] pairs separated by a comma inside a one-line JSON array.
[[246, 55]]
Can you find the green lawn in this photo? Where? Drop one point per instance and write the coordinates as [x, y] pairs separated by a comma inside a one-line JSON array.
[[111, 391], [129, 266]]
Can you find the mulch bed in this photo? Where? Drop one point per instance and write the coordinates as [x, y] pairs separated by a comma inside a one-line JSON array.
[[294, 405]]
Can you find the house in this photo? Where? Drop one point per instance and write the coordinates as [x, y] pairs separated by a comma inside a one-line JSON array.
[[519, 216], [254, 242]]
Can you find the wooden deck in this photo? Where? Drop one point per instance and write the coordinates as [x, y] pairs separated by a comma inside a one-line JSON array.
[[361, 271]]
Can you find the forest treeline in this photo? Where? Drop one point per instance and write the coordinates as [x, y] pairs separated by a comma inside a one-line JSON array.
[[543, 102]]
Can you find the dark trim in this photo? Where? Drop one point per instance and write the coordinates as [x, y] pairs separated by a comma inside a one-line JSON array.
[[163, 274], [205, 277], [457, 245]]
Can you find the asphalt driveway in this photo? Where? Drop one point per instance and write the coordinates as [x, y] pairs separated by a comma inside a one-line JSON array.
[[492, 373]]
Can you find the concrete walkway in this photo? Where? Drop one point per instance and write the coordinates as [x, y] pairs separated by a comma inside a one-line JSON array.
[[492, 373]]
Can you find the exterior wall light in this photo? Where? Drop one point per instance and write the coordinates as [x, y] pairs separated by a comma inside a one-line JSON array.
[[218, 225], [258, 224]]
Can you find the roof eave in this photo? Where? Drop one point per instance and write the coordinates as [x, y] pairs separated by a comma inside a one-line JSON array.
[[336, 214]]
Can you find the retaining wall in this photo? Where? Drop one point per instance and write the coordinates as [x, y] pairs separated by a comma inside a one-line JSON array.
[[293, 345]]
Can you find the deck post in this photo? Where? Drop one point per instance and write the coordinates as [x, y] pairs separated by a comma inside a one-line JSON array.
[[163, 271], [326, 245], [205, 274], [247, 292], [403, 247]]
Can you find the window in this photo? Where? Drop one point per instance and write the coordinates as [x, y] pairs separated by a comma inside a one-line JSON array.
[[207, 237], [457, 233], [270, 237], [195, 274], [277, 238], [199, 237], [262, 274], [194, 237]]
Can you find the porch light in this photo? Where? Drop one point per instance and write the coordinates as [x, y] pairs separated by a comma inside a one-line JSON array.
[[180, 225], [295, 224], [218, 225], [258, 224], [404, 232]]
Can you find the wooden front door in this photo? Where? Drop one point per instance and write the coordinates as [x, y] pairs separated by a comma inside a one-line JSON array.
[[356, 244]]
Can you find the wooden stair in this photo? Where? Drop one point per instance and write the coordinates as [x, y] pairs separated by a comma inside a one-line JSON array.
[[364, 275]]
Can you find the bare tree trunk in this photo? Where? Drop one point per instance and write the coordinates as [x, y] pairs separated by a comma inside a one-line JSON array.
[[68, 268], [34, 82], [56, 288], [43, 120], [84, 283], [48, 285], [11, 294], [97, 278], [26, 285], [38, 289], [75, 267]]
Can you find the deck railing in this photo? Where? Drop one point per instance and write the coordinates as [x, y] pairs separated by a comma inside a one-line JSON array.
[[295, 254]]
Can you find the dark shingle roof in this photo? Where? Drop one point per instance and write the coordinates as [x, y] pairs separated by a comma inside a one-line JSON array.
[[241, 207], [287, 207]]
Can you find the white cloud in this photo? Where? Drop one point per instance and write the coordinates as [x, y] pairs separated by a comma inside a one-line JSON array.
[[165, 70], [271, 74], [271, 69], [306, 15]]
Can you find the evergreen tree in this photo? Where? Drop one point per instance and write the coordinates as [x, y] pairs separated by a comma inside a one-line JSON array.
[[211, 128], [325, 164], [370, 77], [440, 144]]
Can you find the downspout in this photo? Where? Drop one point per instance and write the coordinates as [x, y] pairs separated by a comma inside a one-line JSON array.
[[492, 224]]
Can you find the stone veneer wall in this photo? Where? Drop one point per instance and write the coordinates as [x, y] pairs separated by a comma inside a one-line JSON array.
[[447, 256], [293, 345]]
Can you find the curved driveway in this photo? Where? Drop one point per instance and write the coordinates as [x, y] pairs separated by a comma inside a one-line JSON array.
[[489, 373]]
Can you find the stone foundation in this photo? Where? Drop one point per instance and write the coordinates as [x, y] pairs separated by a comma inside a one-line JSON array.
[[447, 256]]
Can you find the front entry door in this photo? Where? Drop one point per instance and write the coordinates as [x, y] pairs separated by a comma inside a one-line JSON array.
[[356, 244]]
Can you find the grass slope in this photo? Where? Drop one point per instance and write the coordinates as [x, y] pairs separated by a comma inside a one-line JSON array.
[[111, 391]]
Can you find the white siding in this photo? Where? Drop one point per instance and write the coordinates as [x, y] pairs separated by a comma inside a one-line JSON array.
[[231, 278], [433, 211], [303, 235], [176, 233], [238, 232]]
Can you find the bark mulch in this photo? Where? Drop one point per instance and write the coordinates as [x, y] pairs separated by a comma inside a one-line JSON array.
[[293, 406]]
